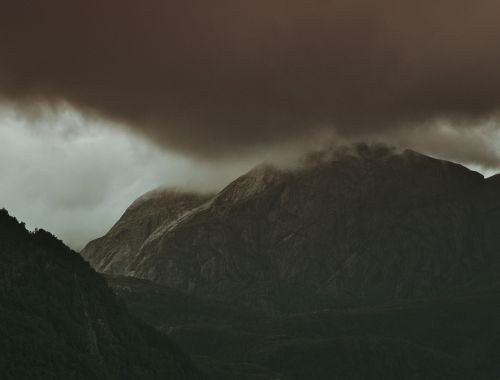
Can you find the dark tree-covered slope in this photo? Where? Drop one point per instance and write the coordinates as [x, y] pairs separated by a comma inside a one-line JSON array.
[[452, 336], [59, 320]]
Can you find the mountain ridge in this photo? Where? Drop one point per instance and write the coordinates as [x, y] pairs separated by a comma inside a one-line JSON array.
[[60, 320], [359, 222], [139, 221]]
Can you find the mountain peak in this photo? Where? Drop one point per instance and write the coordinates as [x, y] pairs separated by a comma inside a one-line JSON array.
[[338, 223], [113, 252], [167, 194], [251, 184], [9, 222]]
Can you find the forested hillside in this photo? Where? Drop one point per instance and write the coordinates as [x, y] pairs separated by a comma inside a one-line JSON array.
[[59, 320]]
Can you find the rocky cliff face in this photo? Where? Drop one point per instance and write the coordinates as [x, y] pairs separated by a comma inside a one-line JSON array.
[[363, 223], [113, 252], [59, 320]]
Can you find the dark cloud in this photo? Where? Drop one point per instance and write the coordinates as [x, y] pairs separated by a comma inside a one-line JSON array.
[[222, 77]]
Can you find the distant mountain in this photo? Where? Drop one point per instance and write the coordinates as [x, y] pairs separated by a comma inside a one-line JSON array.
[[59, 320], [365, 223], [117, 249]]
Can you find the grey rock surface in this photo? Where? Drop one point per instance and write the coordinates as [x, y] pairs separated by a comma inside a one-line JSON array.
[[113, 252], [364, 223]]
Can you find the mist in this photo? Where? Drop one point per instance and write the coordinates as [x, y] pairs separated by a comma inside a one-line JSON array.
[[75, 177]]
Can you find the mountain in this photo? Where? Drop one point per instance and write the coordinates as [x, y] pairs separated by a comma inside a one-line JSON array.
[[59, 320], [360, 224], [117, 249], [362, 263]]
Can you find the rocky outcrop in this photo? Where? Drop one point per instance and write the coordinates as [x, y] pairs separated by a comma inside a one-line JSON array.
[[113, 252], [362, 223]]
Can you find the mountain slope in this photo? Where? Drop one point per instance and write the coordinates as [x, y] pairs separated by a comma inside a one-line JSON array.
[[357, 264], [456, 336], [364, 224], [113, 252], [59, 320]]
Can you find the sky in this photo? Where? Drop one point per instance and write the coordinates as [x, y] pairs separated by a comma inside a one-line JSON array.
[[102, 101], [75, 177]]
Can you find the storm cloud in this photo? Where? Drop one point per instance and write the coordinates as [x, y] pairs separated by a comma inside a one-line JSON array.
[[226, 77]]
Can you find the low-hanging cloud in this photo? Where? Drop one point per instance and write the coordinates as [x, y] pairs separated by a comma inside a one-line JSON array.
[[75, 178], [215, 78]]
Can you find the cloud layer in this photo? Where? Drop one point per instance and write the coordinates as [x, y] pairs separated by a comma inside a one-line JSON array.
[[228, 77], [75, 178]]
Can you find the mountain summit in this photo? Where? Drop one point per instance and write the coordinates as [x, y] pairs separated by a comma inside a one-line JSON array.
[[115, 251], [360, 223]]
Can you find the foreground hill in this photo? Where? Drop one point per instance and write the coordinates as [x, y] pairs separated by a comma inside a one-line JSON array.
[[366, 224], [59, 320], [456, 336]]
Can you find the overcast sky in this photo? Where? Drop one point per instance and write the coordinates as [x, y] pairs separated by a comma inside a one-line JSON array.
[[75, 177], [103, 100]]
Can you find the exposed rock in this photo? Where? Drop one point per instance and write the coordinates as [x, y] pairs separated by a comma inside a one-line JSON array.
[[113, 252], [363, 223]]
